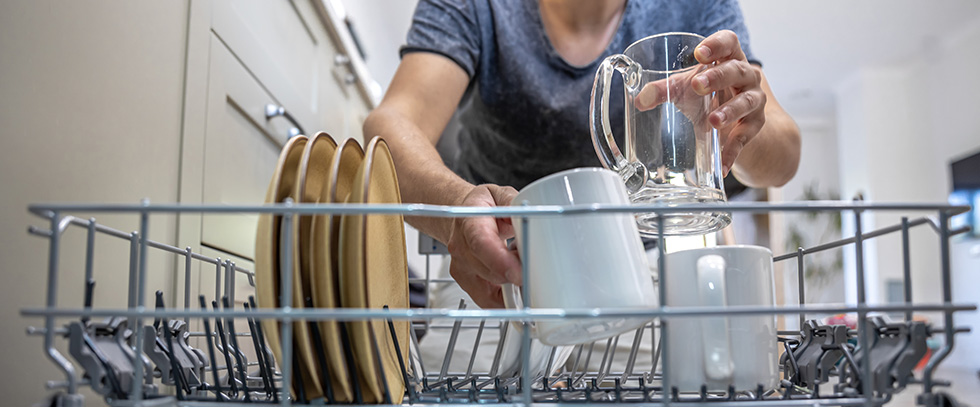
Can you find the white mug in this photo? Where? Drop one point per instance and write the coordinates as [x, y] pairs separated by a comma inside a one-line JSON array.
[[581, 261], [720, 351]]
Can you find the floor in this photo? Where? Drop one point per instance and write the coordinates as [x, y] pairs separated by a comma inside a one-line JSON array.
[[965, 387]]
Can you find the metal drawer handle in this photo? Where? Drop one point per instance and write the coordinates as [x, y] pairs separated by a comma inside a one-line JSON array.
[[272, 111]]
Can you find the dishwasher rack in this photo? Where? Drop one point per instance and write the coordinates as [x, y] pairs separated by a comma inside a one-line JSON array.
[[647, 385]]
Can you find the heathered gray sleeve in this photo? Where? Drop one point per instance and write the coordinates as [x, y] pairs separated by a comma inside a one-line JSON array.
[[446, 27], [726, 15]]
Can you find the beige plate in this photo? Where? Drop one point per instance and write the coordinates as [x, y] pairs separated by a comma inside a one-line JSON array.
[[374, 273], [314, 171], [267, 239], [324, 272]]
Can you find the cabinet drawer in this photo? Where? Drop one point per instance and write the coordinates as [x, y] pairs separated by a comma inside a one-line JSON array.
[[283, 45], [240, 151]]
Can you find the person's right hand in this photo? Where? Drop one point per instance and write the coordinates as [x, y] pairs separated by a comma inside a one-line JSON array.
[[480, 260]]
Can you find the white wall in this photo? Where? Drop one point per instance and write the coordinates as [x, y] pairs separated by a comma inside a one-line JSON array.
[[381, 26], [950, 87], [91, 96], [899, 127], [818, 167]]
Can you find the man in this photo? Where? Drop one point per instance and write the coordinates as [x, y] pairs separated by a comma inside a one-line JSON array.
[[520, 73]]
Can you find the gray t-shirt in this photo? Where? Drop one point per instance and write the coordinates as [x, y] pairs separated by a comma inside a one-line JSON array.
[[525, 113]]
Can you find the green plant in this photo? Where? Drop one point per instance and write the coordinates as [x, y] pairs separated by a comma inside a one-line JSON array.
[[808, 229]]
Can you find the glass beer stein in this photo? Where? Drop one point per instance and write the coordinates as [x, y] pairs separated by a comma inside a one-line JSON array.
[[672, 154]]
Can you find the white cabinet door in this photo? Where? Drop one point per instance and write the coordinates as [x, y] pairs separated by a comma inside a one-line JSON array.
[[286, 48], [259, 53], [240, 151]]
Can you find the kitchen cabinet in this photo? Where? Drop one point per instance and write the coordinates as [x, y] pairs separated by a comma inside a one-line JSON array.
[[242, 57]]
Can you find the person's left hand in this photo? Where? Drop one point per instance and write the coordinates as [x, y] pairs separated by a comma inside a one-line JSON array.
[[738, 108]]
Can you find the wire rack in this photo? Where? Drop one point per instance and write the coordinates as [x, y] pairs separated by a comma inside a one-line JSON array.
[[145, 372]]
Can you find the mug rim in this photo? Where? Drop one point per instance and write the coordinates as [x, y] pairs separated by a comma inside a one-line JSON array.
[[673, 34], [727, 247], [546, 178]]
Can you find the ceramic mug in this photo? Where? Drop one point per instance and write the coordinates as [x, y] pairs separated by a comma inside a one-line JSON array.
[[721, 351], [581, 261]]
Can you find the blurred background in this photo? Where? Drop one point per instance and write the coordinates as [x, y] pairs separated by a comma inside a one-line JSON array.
[[884, 93], [113, 101]]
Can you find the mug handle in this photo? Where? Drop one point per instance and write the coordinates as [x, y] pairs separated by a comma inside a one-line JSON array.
[[512, 300], [633, 173], [715, 337]]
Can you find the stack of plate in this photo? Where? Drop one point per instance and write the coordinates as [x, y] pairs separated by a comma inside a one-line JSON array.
[[351, 261]]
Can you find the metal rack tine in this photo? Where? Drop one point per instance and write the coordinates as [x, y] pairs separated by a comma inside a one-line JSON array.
[[451, 347], [548, 366], [634, 350], [219, 394], [188, 263], [575, 363], [588, 358], [89, 292], [176, 370], [321, 358], [791, 358], [352, 369], [266, 355], [230, 324], [415, 358], [607, 357], [379, 364], [258, 343], [495, 365], [401, 361], [476, 347], [298, 380], [225, 349], [906, 267], [217, 279], [160, 306], [658, 346]]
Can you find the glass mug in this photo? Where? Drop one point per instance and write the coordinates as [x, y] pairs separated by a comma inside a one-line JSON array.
[[672, 154]]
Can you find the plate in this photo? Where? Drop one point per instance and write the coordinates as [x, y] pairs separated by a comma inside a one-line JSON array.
[[313, 173], [267, 239], [374, 273], [324, 272]]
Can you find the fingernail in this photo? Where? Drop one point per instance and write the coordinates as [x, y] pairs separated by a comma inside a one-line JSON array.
[[701, 83], [720, 117], [641, 102], [724, 170], [645, 99], [702, 52]]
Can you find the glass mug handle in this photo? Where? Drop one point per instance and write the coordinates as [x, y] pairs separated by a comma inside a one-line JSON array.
[[512, 300], [715, 339], [633, 173]]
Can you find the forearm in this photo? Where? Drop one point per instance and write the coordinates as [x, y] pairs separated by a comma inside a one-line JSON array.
[[422, 176], [772, 157]]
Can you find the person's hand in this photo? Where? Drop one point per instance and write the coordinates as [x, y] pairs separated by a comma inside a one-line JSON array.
[[480, 260], [738, 108]]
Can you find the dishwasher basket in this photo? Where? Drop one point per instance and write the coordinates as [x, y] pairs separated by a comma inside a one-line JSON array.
[[144, 354]]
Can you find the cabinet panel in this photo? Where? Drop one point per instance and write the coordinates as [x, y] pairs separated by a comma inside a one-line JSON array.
[[277, 41], [259, 53], [240, 151]]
